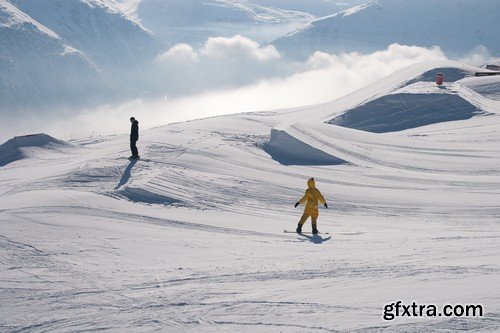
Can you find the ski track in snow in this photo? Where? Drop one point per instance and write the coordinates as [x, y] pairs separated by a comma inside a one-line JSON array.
[[190, 238]]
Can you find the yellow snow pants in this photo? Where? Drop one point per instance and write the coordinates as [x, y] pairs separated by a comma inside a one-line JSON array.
[[310, 212]]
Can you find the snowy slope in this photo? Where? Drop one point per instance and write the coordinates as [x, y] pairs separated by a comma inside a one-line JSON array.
[[190, 238], [70, 54], [118, 45], [37, 66], [377, 24], [486, 86], [11, 16], [193, 21]]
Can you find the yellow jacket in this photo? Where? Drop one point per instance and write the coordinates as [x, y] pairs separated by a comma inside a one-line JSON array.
[[311, 199]]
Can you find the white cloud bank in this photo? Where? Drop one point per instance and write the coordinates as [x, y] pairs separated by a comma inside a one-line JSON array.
[[231, 75], [220, 63], [232, 63]]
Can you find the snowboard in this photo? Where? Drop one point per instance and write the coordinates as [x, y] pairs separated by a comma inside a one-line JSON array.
[[134, 159], [304, 232]]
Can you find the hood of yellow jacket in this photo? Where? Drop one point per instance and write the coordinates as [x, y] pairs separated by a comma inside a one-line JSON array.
[[311, 183]]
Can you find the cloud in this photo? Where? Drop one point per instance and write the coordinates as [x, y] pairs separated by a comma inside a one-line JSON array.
[[392, 56], [220, 63], [238, 47], [333, 76], [479, 56], [231, 75], [231, 63], [183, 53]]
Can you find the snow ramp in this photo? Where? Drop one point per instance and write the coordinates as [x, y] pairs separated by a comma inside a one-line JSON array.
[[287, 150], [413, 106], [451, 74], [406, 78], [21, 147]]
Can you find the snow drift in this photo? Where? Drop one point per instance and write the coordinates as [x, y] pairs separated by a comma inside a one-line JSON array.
[[20, 146], [287, 150]]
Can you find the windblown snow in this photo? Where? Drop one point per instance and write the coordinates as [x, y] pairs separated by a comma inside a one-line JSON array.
[[190, 237]]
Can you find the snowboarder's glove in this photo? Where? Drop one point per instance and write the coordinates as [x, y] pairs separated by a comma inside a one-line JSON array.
[[296, 204], [326, 206]]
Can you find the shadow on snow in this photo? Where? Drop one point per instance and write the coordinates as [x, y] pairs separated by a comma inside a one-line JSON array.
[[316, 239], [126, 174]]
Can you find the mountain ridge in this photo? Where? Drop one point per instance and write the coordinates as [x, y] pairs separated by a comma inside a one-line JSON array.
[[377, 24]]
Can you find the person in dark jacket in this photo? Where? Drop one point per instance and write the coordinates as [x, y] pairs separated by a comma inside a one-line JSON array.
[[134, 136]]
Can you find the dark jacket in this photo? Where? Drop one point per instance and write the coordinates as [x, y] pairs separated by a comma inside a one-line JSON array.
[[134, 131]]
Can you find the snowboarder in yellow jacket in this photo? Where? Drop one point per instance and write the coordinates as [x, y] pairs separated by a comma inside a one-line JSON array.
[[310, 200]]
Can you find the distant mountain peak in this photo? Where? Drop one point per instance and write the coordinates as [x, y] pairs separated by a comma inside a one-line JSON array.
[[11, 16], [456, 26], [356, 9]]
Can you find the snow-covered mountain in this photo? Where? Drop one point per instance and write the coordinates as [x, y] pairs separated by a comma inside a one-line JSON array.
[[456, 26], [21, 147], [38, 66], [70, 54], [193, 21], [116, 43], [190, 237]]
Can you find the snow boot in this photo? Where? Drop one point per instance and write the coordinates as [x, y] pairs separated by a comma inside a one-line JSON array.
[[315, 230], [299, 229]]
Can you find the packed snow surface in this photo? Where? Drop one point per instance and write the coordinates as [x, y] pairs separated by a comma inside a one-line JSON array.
[[190, 237]]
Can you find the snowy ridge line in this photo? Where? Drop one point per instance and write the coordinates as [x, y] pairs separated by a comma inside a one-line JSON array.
[[484, 103], [343, 13], [132, 217], [262, 13], [128, 9], [378, 23], [19, 17]]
